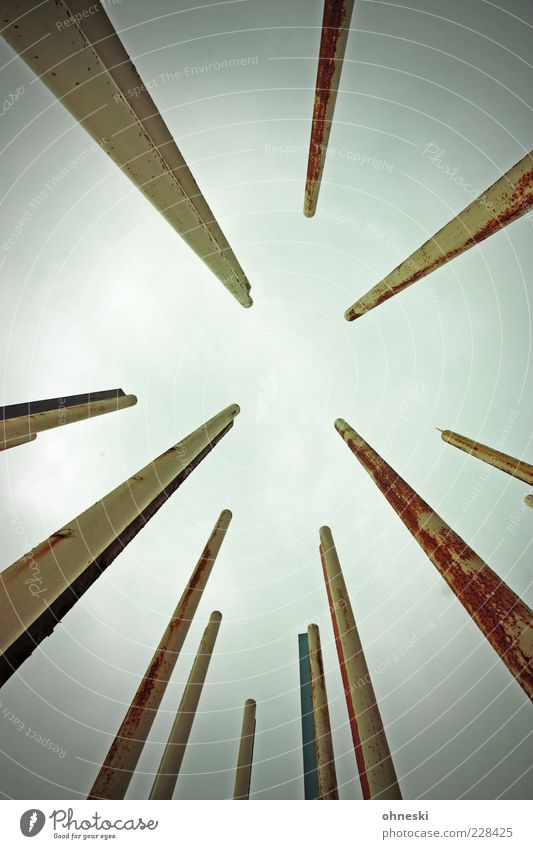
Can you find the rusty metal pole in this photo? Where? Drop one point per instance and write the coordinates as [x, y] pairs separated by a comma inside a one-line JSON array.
[[506, 200], [372, 753], [121, 760], [516, 468], [243, 774], [504, 619], [335, 29], [169, 768], [41, 587], [79, 56], [325, 758], [308, 728], [20, 423]]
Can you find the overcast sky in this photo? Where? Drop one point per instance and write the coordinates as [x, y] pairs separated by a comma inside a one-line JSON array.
[[100, 292]]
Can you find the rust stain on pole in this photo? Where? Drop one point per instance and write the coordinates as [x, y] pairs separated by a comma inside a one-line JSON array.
[[507, 199], [243, 774], [81, 59], [41, 587], [504, 619], [376, 769], [21, 423], [517, 468], [117, 770], [170, 765], [325, 758], [335, 29]]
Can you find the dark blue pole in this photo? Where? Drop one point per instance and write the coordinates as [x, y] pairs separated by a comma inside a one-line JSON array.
[[308, 729]]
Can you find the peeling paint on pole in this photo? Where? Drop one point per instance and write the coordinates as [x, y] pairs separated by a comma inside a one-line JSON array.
[[325, 758], [243, 773], [170, 765], [20, 423], [504, 619], [41, 587], [517, 468], [117, 770], [508, 199], [335, 29], [78, 55], [308, 728], [372, 753]]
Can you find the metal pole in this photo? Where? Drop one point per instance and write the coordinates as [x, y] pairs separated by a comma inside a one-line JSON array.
[[506, 200], [21, 440], [517, 468], [81, 59], [121, 760], [504, 619], [308, 728], [21, 423], [327, 777], [169, 768], [372, 753], [243, 774], [335, 29], [41, 587]]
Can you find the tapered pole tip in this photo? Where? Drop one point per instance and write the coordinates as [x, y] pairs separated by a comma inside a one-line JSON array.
[[326, 537], [216, 616], [251, 703]]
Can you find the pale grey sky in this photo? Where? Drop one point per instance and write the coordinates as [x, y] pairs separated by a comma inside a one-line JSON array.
[[99, 292]]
